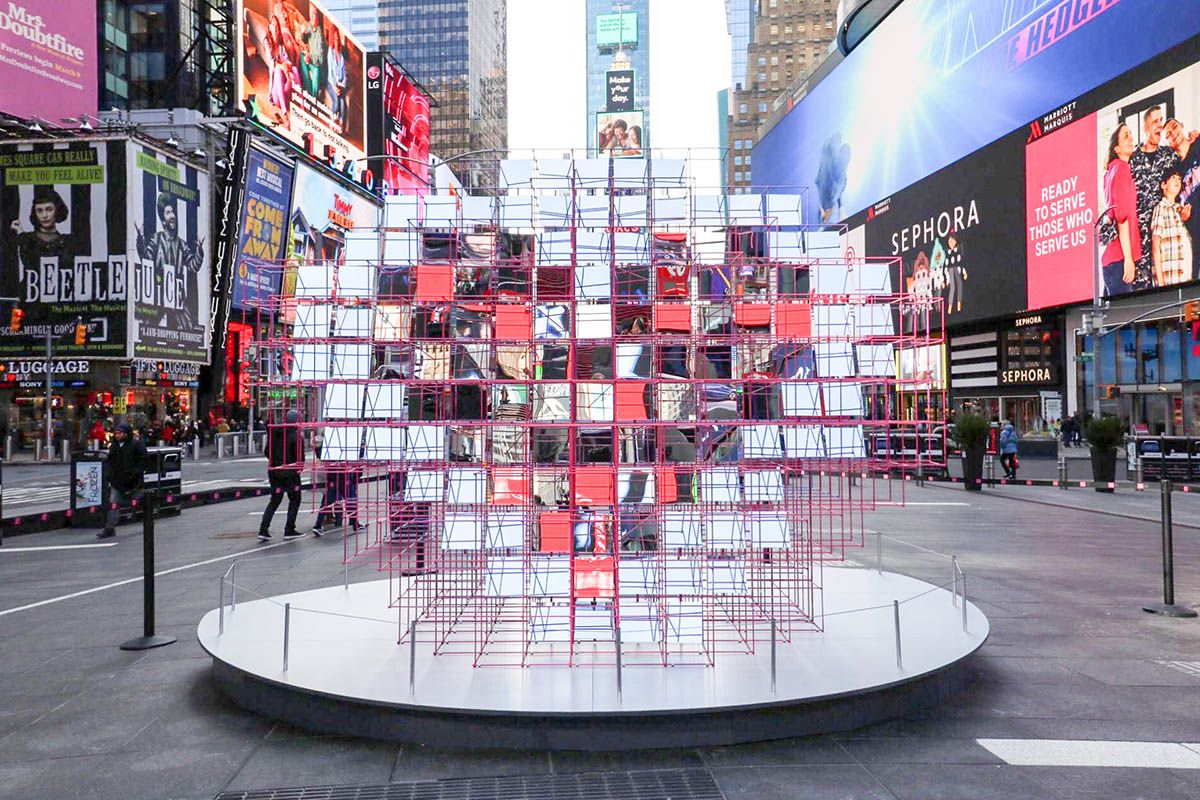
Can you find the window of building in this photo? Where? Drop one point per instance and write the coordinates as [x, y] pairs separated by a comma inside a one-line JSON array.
[[762, 77], [762, 108], [747, 161], [1172, 361], [774, 30], [762, 61], [743, 108], [774, 61], [737, 144], [737, 176], [774, 76], [737, 161]]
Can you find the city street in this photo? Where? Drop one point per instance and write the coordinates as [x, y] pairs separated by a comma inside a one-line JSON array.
[[1072, 663]]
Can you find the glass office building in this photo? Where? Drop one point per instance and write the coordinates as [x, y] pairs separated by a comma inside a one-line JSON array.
[[618, 43], [458, 50]]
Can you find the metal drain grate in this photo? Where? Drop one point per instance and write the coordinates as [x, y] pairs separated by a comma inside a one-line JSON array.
[[667, 784]]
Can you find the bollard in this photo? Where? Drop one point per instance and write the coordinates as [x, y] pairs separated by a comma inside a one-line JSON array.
[[1141, 481], [412, 657], [8, 449], [879, 552], [619, 665], [235, 445], [896, 614], [774, 630], [37, 450], [1062, 472], [954, 578], [196, 449], [991, 469], [148, 639], [346, 573], [1167, 607], [287, 628], [66, 452], [220, 448]]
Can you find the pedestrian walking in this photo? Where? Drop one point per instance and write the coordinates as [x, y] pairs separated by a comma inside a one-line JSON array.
[[1008, 451], [127, 460], [285, 459]]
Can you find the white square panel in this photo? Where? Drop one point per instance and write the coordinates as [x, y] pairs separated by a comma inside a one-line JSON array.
[[845, 442], [425, 486], [505, 577], [629, 172], [310, 362], [387, 401], [356, 280], [638, 577], [768, 529], [669, 210], [635, 486], [462, 532], [342, 401], [593, 282], [351, 361], [719, 485], [426, 443], [803, 441], [800, 399], [356, 322], [681, 527], [468, 485], [516, 172], [834, 360], [384, 444], [631, 210], [591, 172], [341, 443], [555, 210], [314, 280], [727, 577], [685, 622], [400, 247], [724, 530], [593, 321], [505, 529], [668, 173], [761, 441], [551, 576], [843, 399], [783, 210], [362, 246], [477, 209], [875, 360], [516, 211], [708, 209], [402, 211], [640, 622], [312, 321], [763, 486], [683, 577], [595, 402]]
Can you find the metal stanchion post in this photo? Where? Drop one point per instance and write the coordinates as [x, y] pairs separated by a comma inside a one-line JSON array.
[[220, 447], [37, 450], [221, 615], [235, 445], [774, 632], [963, 579], [287, 629], [1062, 472], [233, 587], [896, 616], [879, 552], [346, 573], [617, 632], [1167, 607], [66, 452], [954, 578], [148, 639], [1141, 480], [991, 469], [412, 657], [8, 448]]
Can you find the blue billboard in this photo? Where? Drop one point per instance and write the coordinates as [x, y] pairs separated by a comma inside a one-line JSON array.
[[939, 79], [262, 233]]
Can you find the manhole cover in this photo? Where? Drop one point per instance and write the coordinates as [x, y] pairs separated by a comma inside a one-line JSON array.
[[668, 784]]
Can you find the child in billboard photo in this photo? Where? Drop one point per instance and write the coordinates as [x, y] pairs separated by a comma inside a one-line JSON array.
[[1120, 256], [1183, 143], [1171, 244]]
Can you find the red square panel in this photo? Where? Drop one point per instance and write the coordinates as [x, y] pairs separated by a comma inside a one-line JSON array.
[[555, 529], [673, 317], [514, 322], [435, 282], [793, 319], [752, 314], [510, 486], [594, 577], [595, 486], [630, 400]]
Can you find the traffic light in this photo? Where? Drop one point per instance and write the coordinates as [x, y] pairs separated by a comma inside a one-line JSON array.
[[80, 333], [15, 318], [1191, 310]]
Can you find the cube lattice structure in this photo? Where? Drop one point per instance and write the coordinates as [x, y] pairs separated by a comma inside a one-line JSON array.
[[601, 410]]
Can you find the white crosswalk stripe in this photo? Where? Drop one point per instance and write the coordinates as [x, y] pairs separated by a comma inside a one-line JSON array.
[[45, 495]]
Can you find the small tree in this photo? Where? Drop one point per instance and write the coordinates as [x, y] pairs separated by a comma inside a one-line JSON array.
[[971, 431], [1105, 433]]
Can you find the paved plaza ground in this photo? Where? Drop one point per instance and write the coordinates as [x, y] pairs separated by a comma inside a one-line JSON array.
[[1062, 575]]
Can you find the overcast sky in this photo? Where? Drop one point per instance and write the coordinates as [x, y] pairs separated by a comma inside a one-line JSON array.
[[547, 65]]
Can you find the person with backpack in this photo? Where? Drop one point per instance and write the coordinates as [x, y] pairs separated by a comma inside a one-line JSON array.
[[285, 459], [1008, 451], [126, 464]]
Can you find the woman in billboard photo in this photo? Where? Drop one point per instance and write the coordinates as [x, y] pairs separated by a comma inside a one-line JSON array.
[[1119, 259], [337, 79], [46, 212], [633, 141], [280, 62]]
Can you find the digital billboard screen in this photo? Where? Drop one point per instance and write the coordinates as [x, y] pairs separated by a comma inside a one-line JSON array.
[[398, 128], [51, 55], [619, 90], [171, 275], [300, 72], [621, 134], [262, 237], [910, 99], [63, 245], [616, 29]]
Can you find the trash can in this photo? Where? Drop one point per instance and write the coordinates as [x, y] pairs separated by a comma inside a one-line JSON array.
[[89, 488], [164, 476]]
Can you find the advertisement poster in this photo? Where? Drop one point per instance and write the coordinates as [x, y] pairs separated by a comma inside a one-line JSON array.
[[63, 246], [262, 241], [618, 90], [301, 73], [51, 56], [621, 135], [323, 209], [870, 128], [958, 234], [169, 203], [398, 128], [613, 30], [89, 483], [1144, 139]]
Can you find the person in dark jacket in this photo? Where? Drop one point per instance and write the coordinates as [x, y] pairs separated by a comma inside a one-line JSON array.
[[285, 458], [127, 460], [1008, 451]]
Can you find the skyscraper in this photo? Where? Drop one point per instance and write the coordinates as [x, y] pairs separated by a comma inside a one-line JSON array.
[[618, 75], [786, 41], [458, 50], [360, 16]]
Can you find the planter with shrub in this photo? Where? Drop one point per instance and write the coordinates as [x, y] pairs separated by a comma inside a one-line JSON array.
[[971, 433], [1104, 436]]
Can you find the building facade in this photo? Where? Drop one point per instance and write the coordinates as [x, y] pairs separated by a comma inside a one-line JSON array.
[[783, 41], [458, 50], [618, 76], [360, 16]]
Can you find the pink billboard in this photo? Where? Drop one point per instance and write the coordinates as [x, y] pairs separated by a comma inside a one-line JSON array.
[[51, 55]]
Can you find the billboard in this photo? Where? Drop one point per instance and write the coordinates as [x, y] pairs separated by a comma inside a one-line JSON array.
[[616, 29], [323, 210], [905, 103], [170, 275], [1148, 121], [957, 234], [63, 245], [301, 73], [621, 134], [51, 56], [262, 237], [618, 90], [398, 128]]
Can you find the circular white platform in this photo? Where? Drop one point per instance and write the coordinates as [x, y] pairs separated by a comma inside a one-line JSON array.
[[349, 676]]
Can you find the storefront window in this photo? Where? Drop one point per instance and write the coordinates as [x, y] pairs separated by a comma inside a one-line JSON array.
[[1193, 363], [1127, 356], [1108, 359], [1151, 369], [1172, 363]]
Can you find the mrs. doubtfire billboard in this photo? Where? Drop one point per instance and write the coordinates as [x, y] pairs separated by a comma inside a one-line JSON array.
[[48, 59]]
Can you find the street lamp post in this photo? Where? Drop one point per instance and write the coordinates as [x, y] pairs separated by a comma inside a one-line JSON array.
[[1097, 314]]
